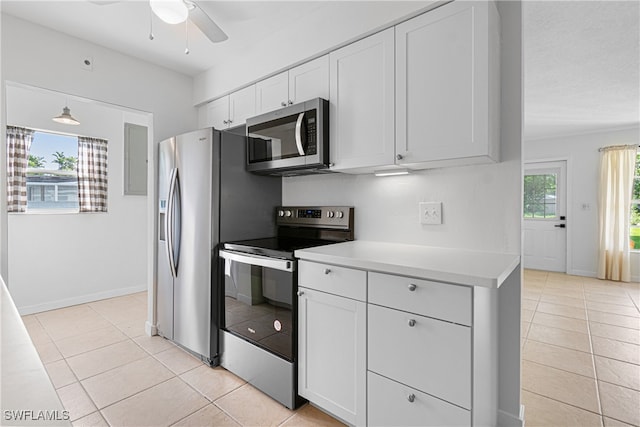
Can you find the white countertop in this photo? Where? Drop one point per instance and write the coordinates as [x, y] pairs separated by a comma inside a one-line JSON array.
[[24, 383], [465, 267]]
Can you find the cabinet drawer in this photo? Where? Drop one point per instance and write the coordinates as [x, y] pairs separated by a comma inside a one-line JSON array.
[[335, 280], [390, 404], [433, 356], [433, 299]]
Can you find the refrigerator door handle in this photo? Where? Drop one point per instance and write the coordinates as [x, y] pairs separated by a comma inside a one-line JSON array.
[[169, 223]]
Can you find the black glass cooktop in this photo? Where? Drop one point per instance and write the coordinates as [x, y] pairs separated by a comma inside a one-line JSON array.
[[277, 247]]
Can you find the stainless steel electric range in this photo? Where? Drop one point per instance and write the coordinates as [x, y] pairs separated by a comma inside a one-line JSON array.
[[259, 325]]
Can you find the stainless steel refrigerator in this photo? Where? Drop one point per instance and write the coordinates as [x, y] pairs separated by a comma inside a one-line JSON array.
[[205, 197]]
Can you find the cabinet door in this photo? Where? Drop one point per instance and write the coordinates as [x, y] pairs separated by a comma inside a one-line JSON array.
[[362, 103], [272, 93], [442, 92], [309, 80], [242, 105], [218, 113], [332, 354]]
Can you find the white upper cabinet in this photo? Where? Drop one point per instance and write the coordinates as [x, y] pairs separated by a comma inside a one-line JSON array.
[[242, 105], [307, 81], [272, 93], [362, 103], [231, 110], [218, 113], [447, 87]]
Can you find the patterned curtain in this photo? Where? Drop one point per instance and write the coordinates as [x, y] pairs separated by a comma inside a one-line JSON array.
[[18, 145], [92, 174]]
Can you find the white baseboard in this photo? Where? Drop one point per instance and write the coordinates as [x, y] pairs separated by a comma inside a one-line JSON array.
[[150, 329], [509, 420], [81, 299], [582, 273]]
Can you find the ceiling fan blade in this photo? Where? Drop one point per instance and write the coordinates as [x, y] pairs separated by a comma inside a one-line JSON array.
[[206, 24]]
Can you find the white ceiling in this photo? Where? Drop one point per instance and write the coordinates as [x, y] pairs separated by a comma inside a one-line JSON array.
[[582, 65], [581, 58]]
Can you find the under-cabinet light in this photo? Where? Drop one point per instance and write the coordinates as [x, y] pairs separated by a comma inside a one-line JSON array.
[[392, 172]]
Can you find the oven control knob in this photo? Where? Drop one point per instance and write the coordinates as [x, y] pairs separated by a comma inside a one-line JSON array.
[[330, 214], [280, 213], [339, 214], [287, 213]]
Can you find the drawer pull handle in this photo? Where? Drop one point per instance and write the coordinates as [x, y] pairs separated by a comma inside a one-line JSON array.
[[412, 322], [411, 397], [327, 271], [412, 287], [300, 293]]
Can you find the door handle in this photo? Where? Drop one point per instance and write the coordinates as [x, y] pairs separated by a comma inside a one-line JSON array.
[[169, 225], [561, 225], [299, 134]]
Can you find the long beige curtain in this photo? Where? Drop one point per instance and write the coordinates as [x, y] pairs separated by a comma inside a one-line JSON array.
[[617, 165]]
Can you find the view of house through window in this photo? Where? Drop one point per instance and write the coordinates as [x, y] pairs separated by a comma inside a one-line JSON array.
[[52, 179], [634, 231], [540, 194]]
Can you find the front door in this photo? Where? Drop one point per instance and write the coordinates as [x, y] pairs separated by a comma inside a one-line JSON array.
[[544, 213]]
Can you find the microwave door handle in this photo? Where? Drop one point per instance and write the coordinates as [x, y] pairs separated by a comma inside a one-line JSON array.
[[299, 134]]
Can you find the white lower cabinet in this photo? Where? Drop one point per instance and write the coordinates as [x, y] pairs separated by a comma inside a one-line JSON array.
[[332, 353], [428, 354], [394, 404]]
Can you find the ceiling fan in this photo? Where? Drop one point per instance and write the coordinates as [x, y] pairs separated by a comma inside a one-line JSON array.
[[177, 11]]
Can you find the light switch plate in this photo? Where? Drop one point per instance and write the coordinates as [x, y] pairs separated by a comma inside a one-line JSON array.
[[430, 212]]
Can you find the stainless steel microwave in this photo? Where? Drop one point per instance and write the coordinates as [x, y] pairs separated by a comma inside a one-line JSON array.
[[293, 140]]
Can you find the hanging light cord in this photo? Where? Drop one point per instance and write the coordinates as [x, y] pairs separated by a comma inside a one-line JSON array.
[[150, 23], [186, 32]]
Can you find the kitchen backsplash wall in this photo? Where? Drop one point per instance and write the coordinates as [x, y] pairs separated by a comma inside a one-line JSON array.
[[478, 205]]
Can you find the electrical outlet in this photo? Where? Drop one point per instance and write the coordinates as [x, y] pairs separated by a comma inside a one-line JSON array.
[[430, 212]]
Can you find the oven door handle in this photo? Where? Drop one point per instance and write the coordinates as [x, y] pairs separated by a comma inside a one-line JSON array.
[[275, 263]]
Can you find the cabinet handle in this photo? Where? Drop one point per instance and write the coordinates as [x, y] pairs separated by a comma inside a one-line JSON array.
[[300, 293], [412, 287], [411, 397], [230, 121], [290, 102], [327, 271], [412, 323], [399, 157], [284, 104], [226, 122]]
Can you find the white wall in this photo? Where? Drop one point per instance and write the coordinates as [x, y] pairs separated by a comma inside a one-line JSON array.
[[297, 42], [57, 260], [39, 57], [583, 160]]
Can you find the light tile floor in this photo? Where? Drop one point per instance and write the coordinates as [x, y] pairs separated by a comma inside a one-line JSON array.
[[580, 363], [107, 372], [581, 351]]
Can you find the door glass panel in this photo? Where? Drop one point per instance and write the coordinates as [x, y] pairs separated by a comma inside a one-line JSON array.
[[540, 196]]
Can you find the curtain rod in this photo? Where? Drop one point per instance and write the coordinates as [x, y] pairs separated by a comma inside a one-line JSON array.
[[618, 146]]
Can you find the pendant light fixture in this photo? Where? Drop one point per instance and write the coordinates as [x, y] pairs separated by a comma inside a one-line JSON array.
[[170, 11], [66, 117]]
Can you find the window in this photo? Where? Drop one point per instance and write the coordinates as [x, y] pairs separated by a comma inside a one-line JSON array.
[[52, 178], [540, 195], [634, 229]]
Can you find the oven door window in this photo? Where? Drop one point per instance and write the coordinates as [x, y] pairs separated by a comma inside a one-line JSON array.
[[283, 138], [258, 305]]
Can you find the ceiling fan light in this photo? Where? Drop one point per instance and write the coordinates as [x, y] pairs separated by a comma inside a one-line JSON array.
[[170, 11], [66, 118]]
